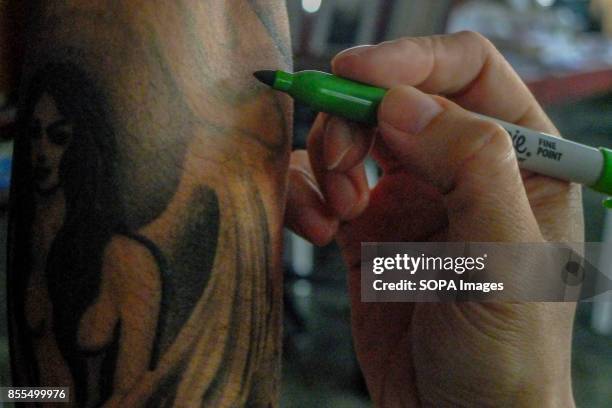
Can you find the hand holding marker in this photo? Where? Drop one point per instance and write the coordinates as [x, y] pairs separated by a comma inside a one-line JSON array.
[[538, 152]]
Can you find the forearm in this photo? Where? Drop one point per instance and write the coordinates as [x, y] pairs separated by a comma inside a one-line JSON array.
[[146, 215]]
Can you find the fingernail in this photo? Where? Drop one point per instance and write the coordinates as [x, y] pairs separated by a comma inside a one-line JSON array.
[[408, 109], [345, 57], [359, 49], [338, 142]]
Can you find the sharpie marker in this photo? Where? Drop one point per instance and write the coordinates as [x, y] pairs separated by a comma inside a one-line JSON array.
[[538, 152]]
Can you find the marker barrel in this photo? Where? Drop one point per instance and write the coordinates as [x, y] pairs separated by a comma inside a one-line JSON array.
[[329, 93], [538, 152], [552, 156]]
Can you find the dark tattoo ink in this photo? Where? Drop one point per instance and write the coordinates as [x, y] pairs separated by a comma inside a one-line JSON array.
[[264, 12], [140, 246], [192, 257], [71, 182], [90, 218]]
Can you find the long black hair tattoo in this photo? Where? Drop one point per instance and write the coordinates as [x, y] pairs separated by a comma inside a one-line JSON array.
[[92, 214]]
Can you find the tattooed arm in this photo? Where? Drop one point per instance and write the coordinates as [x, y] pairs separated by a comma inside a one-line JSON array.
[[147, 203]]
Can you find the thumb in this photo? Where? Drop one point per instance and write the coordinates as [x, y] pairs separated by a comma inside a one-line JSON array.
[[471, 162]]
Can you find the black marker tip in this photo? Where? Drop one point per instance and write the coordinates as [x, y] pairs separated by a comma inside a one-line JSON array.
[[265, 76]]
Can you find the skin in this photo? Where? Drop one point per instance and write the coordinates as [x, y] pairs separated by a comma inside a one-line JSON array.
[[197, 172], [128, 269], [133, 273], [411, 355], [47, 155], [448, 176]]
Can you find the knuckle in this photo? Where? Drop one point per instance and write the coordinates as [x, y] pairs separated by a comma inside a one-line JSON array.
[[474, 37], [486, 152], [424, 45], [496, 141], [403, 41], [479, 135], [494, 132]]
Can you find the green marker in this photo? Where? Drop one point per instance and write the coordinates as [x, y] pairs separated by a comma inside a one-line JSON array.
[[538, 152]]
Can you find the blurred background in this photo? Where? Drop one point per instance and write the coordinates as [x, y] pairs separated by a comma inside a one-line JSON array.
[[561, 48]]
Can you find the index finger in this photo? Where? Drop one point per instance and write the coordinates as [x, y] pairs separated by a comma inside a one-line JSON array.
[[465, 67]]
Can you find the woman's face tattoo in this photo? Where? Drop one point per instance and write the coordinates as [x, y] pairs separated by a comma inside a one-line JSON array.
[[50, 134]]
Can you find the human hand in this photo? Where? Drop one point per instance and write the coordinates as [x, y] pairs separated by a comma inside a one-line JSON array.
[[448, 176]]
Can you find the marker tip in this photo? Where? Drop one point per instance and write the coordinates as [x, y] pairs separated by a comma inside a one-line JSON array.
[[265, 76]]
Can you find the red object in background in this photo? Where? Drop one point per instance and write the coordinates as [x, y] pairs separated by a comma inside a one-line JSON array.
[[571, 87]]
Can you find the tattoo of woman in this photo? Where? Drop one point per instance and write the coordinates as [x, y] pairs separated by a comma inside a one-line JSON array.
[[83, 268]]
